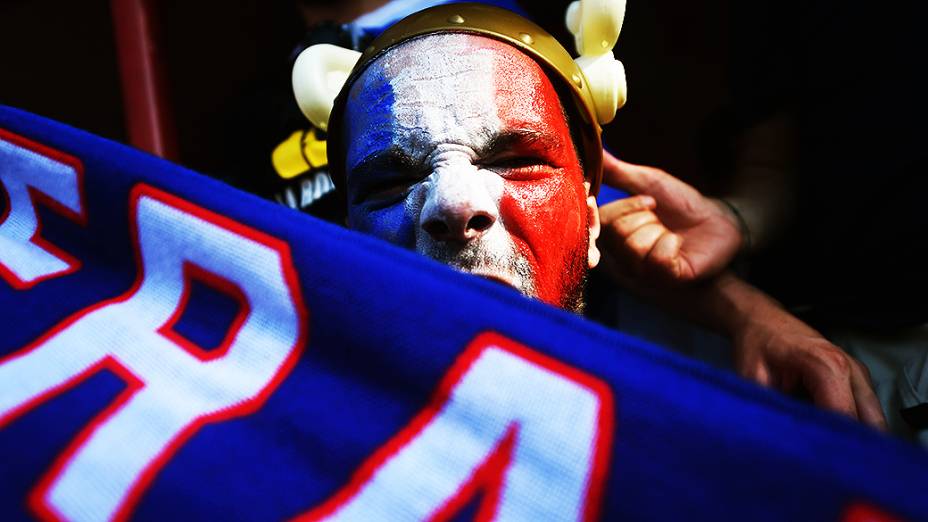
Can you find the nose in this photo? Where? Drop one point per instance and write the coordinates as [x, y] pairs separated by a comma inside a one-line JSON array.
[[459, 228], [458, 207]]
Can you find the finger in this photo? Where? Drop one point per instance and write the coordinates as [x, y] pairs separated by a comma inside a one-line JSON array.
[[641, 241], [760, 374], [666, 255], [751, 365], [628, 176], [868, 405], [830, 389], [621, 207], [626, 225]]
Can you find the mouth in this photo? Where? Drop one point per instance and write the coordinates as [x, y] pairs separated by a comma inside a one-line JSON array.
[[499, 264]]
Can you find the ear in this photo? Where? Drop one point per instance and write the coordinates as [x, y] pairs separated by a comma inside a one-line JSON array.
[[593, 222]]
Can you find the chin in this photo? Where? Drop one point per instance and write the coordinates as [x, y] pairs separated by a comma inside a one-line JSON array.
[[572, 302], [501, 279]]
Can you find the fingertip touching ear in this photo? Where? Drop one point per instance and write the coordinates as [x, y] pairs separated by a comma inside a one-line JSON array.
[[593, 225]]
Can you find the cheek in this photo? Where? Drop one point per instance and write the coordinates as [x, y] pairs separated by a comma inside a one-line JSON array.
[[394, 224], [547, 220]]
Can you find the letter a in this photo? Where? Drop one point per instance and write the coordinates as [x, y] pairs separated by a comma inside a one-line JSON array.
[[534, 433]]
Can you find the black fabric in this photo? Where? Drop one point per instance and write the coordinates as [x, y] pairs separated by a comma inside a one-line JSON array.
[[916, 416], [264, 119], [850, 71]]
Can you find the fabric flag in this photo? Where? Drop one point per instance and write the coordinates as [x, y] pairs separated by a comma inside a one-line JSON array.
[[175, 349]]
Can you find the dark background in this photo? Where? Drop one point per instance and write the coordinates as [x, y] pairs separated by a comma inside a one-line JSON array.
[[59, 60]]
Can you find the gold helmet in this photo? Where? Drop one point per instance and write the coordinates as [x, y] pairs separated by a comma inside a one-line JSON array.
[[595, 80]]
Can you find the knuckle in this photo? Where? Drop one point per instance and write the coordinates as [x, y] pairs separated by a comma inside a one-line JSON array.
[[629, 224], [759, 375], [654, 171], [824, 358], [644, 237], [621, 207], [835, 360], [637, 244], [618, 228], [639, 247], [626, 225]]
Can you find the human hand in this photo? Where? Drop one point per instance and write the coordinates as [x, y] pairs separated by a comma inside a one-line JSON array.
[[775, 349], [668, 230]]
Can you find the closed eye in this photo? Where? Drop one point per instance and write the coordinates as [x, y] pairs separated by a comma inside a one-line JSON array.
[[520, 168], [518, 162], [385, 192], [522, 154], [384, 178]]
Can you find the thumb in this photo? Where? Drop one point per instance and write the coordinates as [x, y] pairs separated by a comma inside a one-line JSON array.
[[629, 177]]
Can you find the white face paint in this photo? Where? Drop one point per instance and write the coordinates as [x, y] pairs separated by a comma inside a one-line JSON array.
[[458, 190], [442, 132], [444, 91]]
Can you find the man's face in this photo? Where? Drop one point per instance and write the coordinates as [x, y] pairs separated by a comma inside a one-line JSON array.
[[458, 148]]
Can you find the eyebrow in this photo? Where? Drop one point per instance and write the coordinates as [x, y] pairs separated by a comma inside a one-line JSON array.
[[391, 158], [509, 138]]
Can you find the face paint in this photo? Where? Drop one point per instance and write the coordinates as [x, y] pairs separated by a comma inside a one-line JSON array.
[[458, 148]]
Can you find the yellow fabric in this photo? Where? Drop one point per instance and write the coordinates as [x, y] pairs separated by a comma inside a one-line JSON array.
[[300, 152]]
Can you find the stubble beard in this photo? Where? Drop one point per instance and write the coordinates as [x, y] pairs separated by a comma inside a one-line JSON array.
[[475, 257]]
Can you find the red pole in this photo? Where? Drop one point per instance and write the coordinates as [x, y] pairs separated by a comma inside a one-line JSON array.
[[148, 114]]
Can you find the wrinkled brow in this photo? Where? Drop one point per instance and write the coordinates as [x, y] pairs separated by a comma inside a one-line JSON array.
[[396, 159]]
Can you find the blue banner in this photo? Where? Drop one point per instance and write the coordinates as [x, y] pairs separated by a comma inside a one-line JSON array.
[[175, 349]]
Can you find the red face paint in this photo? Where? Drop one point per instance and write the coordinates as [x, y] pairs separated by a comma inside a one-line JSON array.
[[545, 211]]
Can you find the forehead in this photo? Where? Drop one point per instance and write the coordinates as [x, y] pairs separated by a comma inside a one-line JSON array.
[[449, 88]]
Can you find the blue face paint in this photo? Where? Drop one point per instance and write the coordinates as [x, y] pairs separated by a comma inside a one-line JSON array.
[[369, 115], [370, 123]]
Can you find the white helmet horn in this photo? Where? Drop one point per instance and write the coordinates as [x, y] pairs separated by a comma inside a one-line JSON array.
[[319, 73], [596, 25]]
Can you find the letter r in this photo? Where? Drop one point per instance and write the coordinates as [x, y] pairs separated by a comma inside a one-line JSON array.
[[172, 392]]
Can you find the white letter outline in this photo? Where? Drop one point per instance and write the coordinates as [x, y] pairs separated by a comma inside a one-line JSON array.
[[20, 224]]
